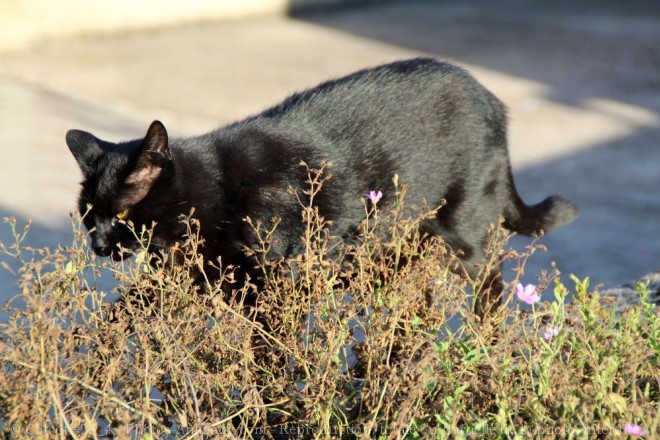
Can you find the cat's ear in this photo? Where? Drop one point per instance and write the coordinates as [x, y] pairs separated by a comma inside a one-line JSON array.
[[85, 147], [156, 146], [153, 157]]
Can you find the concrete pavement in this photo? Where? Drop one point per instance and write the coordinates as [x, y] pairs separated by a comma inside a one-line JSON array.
[[582, 84]]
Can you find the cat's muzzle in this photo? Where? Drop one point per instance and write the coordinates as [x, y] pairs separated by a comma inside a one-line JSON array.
[[103, 249]]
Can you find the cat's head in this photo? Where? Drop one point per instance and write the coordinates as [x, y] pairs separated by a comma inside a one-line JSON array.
[[119, 185]]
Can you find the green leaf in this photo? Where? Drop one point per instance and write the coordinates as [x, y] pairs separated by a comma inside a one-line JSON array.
[[70, 267], [617, 403], [430, 385]]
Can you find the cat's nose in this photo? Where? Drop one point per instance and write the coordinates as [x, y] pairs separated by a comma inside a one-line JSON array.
[[100, 247], [102, 251]]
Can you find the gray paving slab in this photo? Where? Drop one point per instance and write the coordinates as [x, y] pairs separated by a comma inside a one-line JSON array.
[[582, 83]]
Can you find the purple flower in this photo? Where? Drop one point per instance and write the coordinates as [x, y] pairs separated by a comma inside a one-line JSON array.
[[374, 196], [634, 430], [527, 294], [551, 332]]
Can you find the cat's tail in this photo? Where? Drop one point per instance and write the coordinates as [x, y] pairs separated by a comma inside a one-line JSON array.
[[543, 217]]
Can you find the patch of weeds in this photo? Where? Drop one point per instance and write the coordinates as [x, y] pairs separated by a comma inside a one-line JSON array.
[[372, 339]]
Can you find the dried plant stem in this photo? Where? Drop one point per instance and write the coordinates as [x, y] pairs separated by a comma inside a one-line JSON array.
[[97, 391]]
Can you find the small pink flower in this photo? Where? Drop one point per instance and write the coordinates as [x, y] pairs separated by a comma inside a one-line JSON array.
[[634, 430], [551, 332], [375, 196], [527, 294]]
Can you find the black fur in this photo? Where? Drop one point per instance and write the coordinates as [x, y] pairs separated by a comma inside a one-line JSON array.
[[427, 121]]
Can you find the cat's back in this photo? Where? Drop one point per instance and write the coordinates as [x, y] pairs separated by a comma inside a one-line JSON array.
[[416, 117], [414, 85]]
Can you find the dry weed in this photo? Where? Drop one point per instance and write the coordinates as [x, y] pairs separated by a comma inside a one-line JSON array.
[[375, 339]]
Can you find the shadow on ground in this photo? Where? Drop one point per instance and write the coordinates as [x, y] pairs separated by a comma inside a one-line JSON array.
[[580, 50], [615, 238]]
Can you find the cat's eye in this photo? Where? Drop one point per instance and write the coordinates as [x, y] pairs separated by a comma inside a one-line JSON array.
[[123, 215]]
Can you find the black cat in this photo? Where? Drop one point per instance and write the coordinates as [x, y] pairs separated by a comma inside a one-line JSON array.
[[429, 122]]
